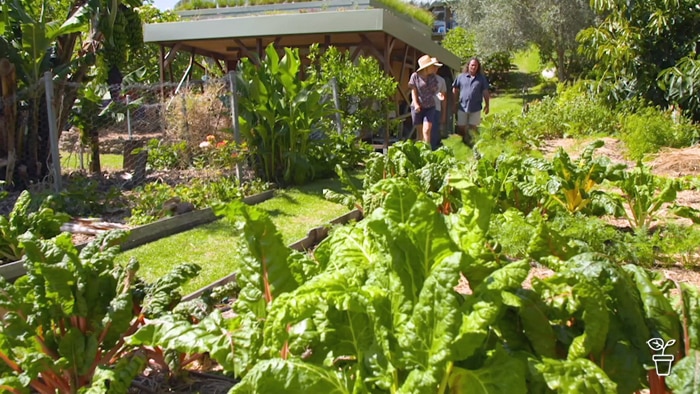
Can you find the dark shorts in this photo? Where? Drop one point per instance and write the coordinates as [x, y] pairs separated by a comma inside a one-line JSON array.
[[425, 114], [435, 136]]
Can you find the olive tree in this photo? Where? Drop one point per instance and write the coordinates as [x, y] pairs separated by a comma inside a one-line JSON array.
[[510, 25]]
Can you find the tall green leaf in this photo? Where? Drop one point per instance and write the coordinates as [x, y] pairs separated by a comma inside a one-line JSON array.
[[501, 373], [289, 376], [432, 328], [265, 273], [662, 319], [685, 375], [575, 376]]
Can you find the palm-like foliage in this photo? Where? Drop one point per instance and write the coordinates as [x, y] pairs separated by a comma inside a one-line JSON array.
[[63, 37]]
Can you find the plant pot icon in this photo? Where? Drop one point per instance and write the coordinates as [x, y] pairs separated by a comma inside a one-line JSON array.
[[663, 363]]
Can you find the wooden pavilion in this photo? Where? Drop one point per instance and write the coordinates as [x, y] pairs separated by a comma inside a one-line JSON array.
[[364, 27]]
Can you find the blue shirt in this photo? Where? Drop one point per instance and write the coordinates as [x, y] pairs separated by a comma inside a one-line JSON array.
[[471, 91]]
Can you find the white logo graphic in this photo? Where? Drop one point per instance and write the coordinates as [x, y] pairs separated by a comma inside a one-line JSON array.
[[662, 362]]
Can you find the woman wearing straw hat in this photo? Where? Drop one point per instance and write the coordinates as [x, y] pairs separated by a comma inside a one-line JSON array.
[[424, 87]]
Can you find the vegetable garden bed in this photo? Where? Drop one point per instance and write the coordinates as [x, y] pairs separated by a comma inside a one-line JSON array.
[[375, 307], [149, 232]]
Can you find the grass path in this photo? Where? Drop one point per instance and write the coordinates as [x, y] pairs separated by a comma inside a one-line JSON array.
[[521, 86], [214, 246]]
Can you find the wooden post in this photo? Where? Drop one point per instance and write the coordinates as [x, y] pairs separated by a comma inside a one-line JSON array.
[[8, 83]]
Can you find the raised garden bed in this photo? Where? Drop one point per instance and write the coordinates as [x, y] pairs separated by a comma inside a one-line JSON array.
[[313, 237], [150, 232]]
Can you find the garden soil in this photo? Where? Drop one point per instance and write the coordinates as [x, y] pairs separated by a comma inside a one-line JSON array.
[[668, 163]]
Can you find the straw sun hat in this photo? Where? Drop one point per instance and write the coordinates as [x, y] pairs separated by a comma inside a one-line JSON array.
[[427, 61]]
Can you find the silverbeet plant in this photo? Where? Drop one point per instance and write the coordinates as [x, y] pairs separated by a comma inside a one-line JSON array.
[[381, 314], [376, 309], [44, 222], [65, 322]]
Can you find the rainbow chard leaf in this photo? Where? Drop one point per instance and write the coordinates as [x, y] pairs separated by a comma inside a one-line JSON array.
[[575, 376], [501, 373], [685, 376], [289, 376]]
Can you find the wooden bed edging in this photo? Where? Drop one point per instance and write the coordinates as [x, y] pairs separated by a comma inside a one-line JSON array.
[[150, 232], [314, 236]]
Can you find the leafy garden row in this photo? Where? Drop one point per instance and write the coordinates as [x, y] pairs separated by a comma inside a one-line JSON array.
[[374, 307]]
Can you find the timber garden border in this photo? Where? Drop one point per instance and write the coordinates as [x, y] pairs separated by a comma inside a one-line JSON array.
[[150, 232]]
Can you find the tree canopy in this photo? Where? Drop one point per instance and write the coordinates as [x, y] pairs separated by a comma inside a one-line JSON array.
[[647, 49], [510, 25]]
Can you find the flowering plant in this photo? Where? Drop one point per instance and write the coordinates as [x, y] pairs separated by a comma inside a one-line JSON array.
[[222, 153]]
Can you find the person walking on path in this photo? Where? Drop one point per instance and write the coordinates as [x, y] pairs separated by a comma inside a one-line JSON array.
[[440, 113], [424, 87], [472, 88]]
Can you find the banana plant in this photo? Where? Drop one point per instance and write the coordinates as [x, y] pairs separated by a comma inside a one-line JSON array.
[[36, 36]]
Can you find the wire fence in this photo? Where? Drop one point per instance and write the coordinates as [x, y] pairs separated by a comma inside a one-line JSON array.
[[190, 117], [134, 132]]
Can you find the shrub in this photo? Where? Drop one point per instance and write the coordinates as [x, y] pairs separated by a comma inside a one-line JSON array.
[[573, 112], [650, 129], [365, 93], [460, 42], [164, 155], [497, 66]]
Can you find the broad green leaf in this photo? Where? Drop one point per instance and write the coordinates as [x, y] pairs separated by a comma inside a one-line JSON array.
[[476, 321], [117, 378], [208, 336], [685, 374], [691, 316], [76, 22], [432, 328], [595, 319], [547, 242], [509, 277], [163, 295], [663, 320], [501, 373], [536, 325], [289, 376], [575, 376], [265, 273]]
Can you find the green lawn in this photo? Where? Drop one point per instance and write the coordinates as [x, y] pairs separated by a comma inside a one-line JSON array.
[[523, 84], [71, 161], [213, 246]]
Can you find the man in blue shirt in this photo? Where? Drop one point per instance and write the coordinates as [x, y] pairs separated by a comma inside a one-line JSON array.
[[472, 88]]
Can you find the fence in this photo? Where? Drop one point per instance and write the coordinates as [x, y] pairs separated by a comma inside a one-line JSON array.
[[67, 128], [197, 116]]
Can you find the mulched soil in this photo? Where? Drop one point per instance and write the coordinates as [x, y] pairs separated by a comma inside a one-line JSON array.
[[668, 163]]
